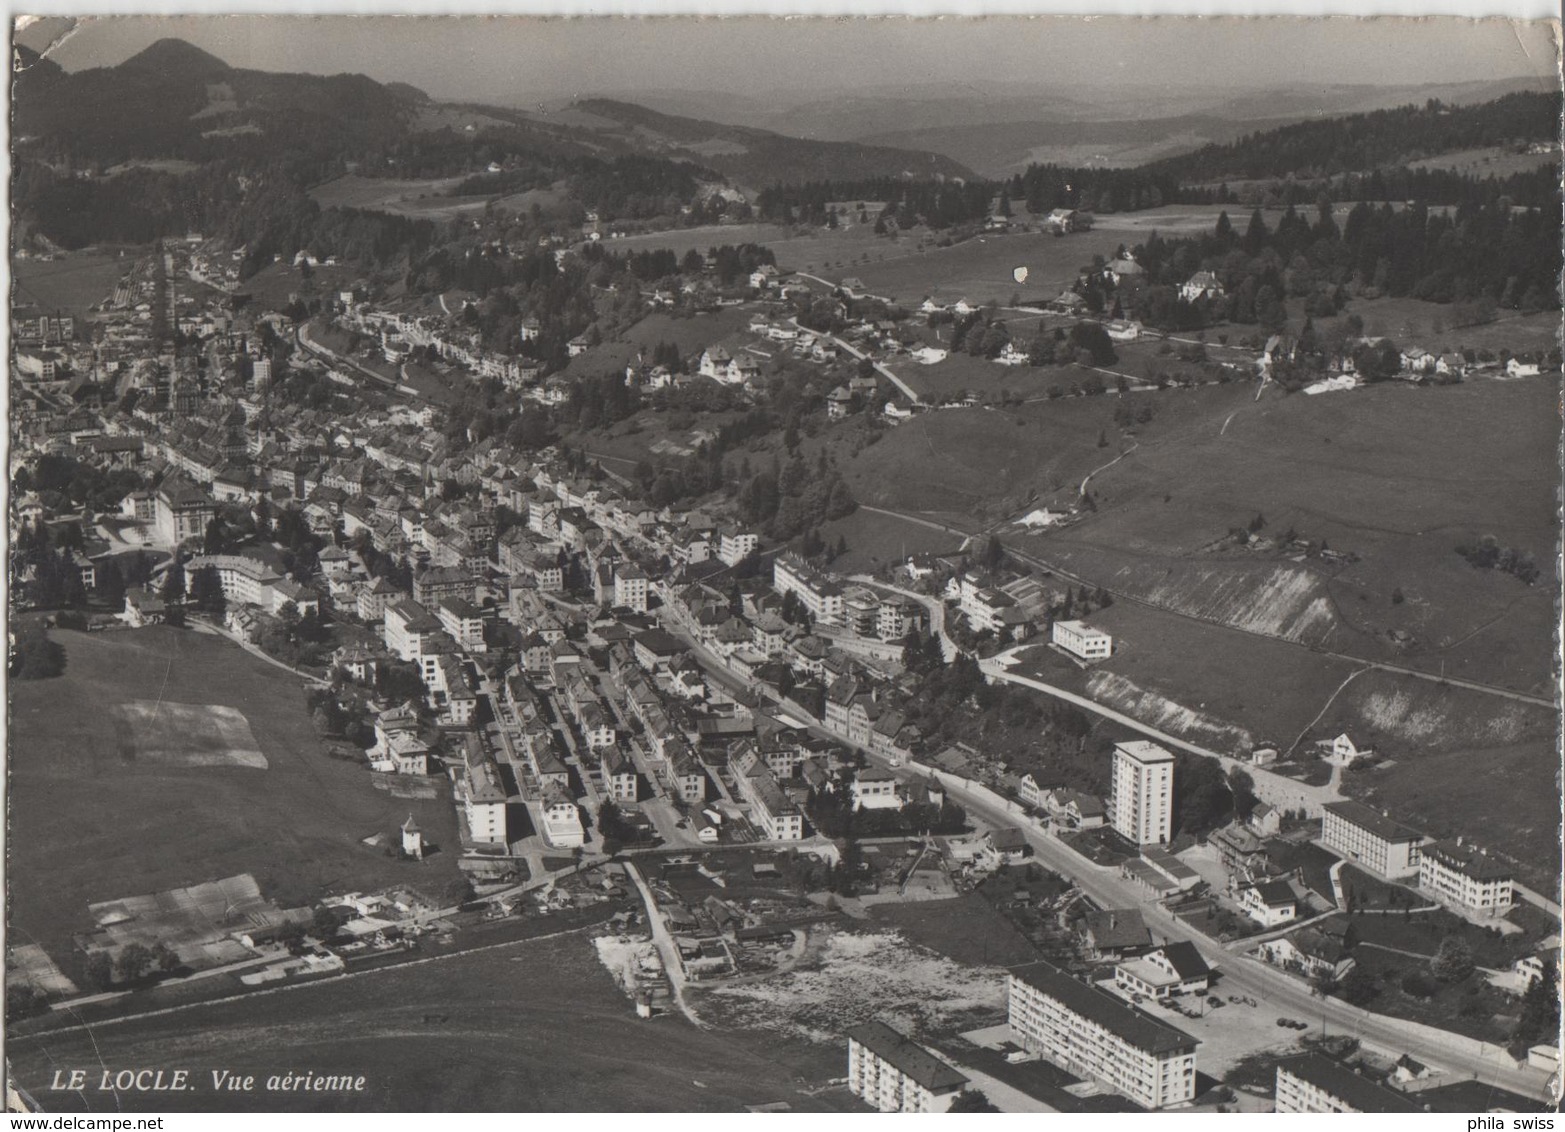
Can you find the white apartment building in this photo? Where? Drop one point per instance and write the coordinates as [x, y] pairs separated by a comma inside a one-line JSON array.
[[1141, 803], [1365, 836], [822, 596], [561, 821], [893, 1074], [464, 621], [771, 812], [1465, 878], [1311, 1083], [630, 587], [483, 799], [733, 547], [1081, 639], [1090, 1033], [407, 627]]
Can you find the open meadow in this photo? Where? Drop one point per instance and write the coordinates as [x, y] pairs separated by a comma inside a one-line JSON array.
[[993, 464], [1394, 476], [539, 1026], [166, 757], [68, 283]]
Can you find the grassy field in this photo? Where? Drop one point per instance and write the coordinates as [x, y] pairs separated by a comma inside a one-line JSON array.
[[540, 1026], [1220, 675], [96, 816], [1395, 475], [875, 540], [68, 283], [998, 464], [1488, 161], [1433, 326], [382, 194]]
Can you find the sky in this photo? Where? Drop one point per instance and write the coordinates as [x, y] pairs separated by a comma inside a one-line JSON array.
[[519, 61]]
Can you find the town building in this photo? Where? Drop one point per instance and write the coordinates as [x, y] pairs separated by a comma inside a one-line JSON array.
[[893, 1074], [1089, 1032], [822, 596], [734, 546], [1174, 969], [482, 797], [1142, 799], [1368, 837], [182, 511]]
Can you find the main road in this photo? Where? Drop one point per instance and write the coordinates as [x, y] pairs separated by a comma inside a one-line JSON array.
[[1463, 1057]]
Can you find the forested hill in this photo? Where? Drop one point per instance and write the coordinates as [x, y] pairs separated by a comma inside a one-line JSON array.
[[759, 157], [175, 101], [1364, 142]]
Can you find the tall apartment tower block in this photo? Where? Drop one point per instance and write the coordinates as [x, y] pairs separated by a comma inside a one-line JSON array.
[[1141, 803]]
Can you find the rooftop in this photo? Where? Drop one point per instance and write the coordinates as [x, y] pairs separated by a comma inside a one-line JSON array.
[[1377, 823], [1356, 1091], [912, 1059]]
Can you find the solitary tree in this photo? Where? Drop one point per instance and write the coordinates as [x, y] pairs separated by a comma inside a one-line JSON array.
[[1452, 961]]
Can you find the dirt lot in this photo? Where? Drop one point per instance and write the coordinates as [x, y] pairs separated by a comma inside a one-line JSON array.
[[93, 818]]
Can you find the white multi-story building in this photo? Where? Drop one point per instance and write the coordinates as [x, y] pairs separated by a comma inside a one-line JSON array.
[[733, 547], [1082, 639], [1463, 877], [482, 797], [771, 812], [1366, 836], [561, 821], [1142, 801], [1089, 1032], [407, 628], [893, 1074], [464, 621], [630, 587], [1311, 1083], [822, 595]]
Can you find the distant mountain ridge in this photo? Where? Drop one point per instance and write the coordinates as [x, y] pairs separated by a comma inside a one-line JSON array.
[[753, 156]]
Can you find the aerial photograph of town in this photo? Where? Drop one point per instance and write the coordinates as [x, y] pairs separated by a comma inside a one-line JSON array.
[[826, 566]]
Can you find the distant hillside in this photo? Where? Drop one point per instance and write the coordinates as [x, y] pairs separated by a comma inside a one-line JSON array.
[[1000, 149], [747, 155], [1362, 142], [176, 101]]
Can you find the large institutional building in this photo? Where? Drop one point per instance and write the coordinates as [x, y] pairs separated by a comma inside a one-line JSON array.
[[1091, 1033], [1367, 837], [1141, 804]]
